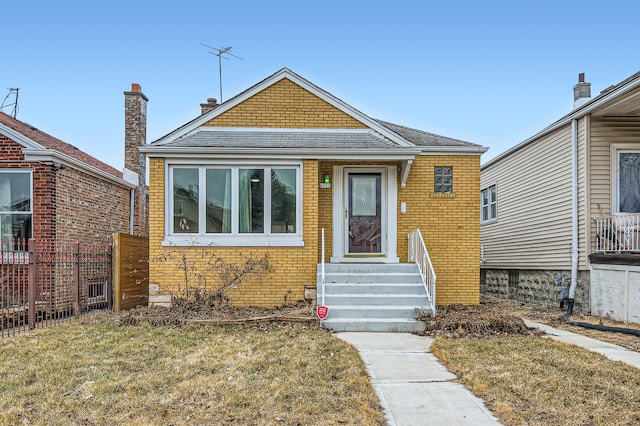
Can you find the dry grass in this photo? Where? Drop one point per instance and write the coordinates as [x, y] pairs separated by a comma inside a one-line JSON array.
[[526, 379], [537, 381], [96, 373], [553, 316]]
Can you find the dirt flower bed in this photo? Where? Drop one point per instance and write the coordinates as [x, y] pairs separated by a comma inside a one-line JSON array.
[[474, 321], [202, 308]]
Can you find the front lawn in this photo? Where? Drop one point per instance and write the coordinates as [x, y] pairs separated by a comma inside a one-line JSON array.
[[526, 379], [78, 373]]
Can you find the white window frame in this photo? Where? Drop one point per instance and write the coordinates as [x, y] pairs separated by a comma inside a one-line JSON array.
[[616, 150], [491, 202], [235, 238], [442, 184], [30, 212]]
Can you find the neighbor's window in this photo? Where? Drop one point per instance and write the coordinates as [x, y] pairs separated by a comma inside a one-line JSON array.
[[489, 204], [443, 179], [628, 181], [15, 208], [235, 200]]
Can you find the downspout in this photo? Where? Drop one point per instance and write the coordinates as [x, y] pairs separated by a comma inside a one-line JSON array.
[[574, 216], [131, 211]]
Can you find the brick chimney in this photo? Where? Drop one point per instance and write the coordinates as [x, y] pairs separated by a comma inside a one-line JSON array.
[[135, 135], [581, 92], [211, 104]]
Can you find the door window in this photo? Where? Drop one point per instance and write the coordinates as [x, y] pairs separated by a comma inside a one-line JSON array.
[[364, 218]]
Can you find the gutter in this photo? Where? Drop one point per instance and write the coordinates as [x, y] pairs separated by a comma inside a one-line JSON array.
[[574, 216], [304, 153], [55, 156], [131, 210]]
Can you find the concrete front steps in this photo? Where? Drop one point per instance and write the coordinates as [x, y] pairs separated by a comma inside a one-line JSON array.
[[372, 297]]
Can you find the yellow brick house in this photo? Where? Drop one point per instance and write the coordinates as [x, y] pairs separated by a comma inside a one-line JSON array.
[[284, 162]]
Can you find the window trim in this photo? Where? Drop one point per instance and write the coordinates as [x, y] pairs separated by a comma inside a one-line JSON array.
[[31, 203], [488, 188], [443, 175], [235, 238], [616, 150]]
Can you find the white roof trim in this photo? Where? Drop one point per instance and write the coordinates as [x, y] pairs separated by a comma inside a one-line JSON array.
[[300, 153], [580, 112], [269, 81], [55, 156], [19, 137], [453, 150], [281, 130]]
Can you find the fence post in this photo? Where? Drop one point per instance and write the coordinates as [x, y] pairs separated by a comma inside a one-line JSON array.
[[110, 276], [31, 291], [76, 279]]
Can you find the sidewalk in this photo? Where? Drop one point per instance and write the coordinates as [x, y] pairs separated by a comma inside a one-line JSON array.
[[611, 351], [413, 387]]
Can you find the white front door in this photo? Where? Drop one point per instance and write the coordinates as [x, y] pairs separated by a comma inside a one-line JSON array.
[[364, 225]]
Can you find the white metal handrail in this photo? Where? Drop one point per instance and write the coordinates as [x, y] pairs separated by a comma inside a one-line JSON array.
[[322, 268], [420, 256], [617, 233]]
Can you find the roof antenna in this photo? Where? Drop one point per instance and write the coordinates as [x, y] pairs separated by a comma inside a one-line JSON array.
[[219, 53], [14, 104]]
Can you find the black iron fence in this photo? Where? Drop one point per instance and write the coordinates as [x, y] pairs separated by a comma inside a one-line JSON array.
[[44, 282]]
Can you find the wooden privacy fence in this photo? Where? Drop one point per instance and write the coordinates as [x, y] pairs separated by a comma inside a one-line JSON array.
[[131, 275], [48, 281]]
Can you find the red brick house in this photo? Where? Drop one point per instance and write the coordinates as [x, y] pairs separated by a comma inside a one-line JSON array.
[[51, 190]]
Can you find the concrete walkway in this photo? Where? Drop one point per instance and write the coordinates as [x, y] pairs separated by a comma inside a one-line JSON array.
[[611, 351], [413, 387]]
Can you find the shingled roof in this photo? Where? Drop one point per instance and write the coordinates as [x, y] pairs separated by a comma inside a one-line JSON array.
[[422, 138], [285, 138], [48, 142]]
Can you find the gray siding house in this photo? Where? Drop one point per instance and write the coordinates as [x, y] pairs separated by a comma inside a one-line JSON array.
[[562, 208]]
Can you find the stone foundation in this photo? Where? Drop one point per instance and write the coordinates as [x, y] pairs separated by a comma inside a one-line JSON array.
[[532, 286]]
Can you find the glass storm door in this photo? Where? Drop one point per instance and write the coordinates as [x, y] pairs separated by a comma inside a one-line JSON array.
[[364, 218]]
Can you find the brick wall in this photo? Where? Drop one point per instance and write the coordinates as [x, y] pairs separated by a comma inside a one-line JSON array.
[[89, 209], [135, 135], [68, 204], [292, 267], [449, 223], [286, 105]]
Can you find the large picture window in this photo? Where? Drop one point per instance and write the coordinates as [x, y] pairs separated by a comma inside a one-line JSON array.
[[235, 201], [489, 204], [15, 208]]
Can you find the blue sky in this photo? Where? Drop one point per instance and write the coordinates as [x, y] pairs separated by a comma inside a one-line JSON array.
[[492, 73]]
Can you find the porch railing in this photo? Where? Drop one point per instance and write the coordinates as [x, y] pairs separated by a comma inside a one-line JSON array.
[[420, 256], [322, 270], [619, 233]]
